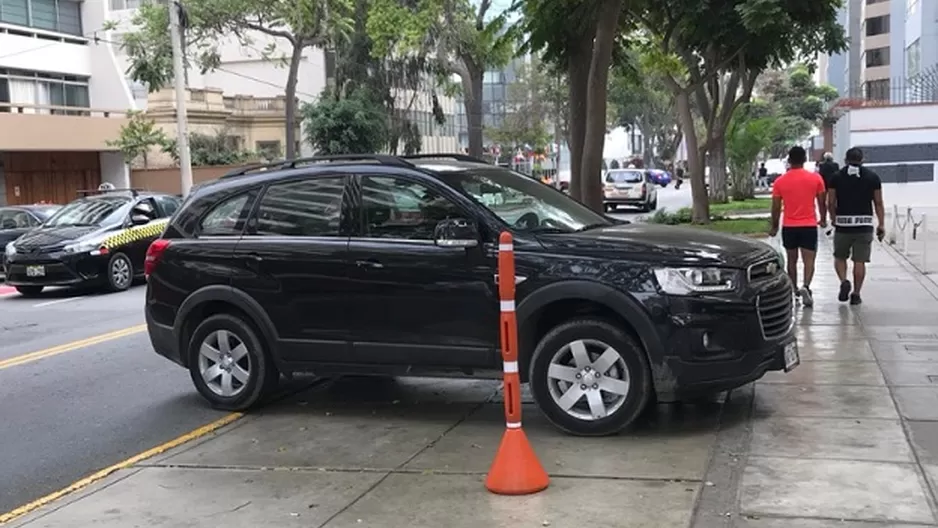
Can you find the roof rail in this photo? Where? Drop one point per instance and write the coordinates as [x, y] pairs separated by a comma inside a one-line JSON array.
[[112, 189], [457, 157], [382, 159]]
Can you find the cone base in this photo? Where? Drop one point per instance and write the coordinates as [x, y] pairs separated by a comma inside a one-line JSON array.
[[516, 469]]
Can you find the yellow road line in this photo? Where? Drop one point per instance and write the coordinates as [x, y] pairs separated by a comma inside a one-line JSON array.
[[91, 479], [68, 347]]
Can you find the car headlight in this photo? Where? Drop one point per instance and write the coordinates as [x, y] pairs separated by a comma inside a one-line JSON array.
[[10, 249], [686, 281], [84, 246]]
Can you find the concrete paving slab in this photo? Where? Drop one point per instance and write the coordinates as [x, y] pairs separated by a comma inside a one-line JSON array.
[[921, 315], [460, 501], [835, 489], [341, 436], [809, 335], [834, 401], [917, 403], [826, 314], [911, 373], [674, 444], [899, 351], [795, 522], [833, 438], [852, 350], [178, 497], [924, 439], [928, 334], [829, 373]]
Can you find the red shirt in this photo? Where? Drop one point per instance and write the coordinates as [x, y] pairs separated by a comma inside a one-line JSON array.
[[798, 190]]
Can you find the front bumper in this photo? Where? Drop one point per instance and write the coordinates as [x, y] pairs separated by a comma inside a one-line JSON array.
[[624, 200], [57, 269], [716, 344]]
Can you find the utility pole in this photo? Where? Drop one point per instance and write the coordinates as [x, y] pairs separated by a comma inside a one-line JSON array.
[[179, 80], [558, 136]]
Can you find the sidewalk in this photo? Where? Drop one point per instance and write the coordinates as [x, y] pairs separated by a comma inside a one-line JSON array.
[[850, 435]]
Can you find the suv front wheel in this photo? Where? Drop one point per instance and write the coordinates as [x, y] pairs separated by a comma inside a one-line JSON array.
[[590, 378], [228, 364]]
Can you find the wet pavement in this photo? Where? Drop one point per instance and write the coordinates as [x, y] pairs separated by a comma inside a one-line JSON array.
[[848, 439]]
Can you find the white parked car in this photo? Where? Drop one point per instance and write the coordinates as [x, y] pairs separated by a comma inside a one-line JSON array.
[[632, 187]]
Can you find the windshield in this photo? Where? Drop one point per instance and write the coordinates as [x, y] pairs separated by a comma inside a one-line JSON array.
[[89, 212], [44, 213], [624, 176], [524, 203]]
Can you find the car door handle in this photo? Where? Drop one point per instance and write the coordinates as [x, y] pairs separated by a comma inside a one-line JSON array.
[[373, 264]]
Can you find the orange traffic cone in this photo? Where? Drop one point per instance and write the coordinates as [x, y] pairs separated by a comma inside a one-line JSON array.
[[516, 469]]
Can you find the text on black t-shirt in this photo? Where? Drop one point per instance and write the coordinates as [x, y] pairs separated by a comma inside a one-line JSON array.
[[854, 193]]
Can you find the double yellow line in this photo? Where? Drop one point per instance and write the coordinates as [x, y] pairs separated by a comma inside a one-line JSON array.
[[68, 347]]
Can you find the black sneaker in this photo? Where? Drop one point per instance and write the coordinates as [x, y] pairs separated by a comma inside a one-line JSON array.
[[855, 299], [844, 291], [806, 297]]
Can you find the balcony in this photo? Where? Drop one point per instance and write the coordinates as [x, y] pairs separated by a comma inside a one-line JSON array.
[[250, 106], [30, 127]]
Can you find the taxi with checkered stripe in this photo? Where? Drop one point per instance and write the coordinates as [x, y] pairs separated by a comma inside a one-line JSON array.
[[100, 239]]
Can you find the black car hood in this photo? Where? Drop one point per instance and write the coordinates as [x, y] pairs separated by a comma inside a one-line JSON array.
[[665, 244], [54, 237]]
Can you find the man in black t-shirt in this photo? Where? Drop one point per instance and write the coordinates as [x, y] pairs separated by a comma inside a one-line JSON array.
[[853, 193], [828, 168]]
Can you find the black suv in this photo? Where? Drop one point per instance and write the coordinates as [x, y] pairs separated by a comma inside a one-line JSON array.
[[386, 265]]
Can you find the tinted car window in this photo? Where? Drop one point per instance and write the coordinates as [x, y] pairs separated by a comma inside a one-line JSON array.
[[310, 207], [13, 219], [90, 212], [398, 208], [169, 204], [631, 176], [225, 219]]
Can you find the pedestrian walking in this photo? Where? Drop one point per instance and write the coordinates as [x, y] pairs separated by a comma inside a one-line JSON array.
[[795, 193], [828, 167], [763, 176], [679, 174], [853, 194]]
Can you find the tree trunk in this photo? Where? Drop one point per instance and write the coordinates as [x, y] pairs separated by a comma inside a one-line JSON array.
[[717, 163], [591, 185], [695, 166], [648, 148], [472, 89], [742, 183], [290, 105], [578, 77]]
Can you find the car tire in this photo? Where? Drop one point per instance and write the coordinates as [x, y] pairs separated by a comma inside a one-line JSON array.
[[120, 273], [654, 204], [627, 373], [29, 291], [222, 386]]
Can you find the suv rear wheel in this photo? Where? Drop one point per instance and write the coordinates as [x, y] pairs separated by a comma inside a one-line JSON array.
[[590, 378], [228, 363]]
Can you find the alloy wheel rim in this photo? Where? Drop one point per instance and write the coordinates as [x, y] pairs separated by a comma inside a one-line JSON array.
[[588, 379], [224, 363], [120, 271]]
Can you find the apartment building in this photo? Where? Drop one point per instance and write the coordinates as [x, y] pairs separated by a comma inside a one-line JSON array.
[[62, 97]]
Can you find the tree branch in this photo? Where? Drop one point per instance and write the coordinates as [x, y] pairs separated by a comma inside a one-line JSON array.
[[270, 31], [480, 18]]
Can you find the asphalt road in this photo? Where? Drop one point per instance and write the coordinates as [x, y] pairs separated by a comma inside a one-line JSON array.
[[68, 415], [669, 198], [78, 409]]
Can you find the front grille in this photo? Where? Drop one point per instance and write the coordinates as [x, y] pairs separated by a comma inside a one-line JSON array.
[[775, 311], [764, 270]]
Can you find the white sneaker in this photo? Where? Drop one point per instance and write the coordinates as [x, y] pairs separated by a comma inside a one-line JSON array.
[[806, 297]]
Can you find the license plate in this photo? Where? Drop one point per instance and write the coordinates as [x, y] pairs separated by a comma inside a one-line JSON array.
[[792, 359], [35, 271]]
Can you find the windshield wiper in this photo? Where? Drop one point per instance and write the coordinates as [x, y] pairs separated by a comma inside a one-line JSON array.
[[591, 226]]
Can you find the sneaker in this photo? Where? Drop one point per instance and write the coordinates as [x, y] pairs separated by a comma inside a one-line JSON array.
[[806, 297], [844, 291], [855, 299]]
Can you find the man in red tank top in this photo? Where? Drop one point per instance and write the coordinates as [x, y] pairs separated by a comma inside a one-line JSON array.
[[796, 193]]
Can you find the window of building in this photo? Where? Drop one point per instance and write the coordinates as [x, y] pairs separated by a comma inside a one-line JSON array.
[[877, 90], [913, 58], [402, 209], [877, 57], [63, 16], [269, 149], [119, 5], [877, 25], [32, 89], [311, 208]]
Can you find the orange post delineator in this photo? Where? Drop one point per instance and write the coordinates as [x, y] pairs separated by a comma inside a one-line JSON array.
[[516, 469]]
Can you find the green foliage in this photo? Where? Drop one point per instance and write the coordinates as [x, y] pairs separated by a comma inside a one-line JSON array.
[[795, 101], [663, 216], [644, 100], [355, 124], [535, 101], [211, 150], [138, 137]]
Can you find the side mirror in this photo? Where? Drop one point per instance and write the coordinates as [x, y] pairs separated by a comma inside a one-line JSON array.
[[139, 219], [456, 232]]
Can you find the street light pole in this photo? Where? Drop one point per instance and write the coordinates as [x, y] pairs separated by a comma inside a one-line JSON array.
[[179, 80]]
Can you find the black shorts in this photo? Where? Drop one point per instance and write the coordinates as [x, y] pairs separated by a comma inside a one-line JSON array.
[[799, 238]]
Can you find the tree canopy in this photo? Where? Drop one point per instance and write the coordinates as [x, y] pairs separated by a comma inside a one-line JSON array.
[[354, 124], [792, 97]]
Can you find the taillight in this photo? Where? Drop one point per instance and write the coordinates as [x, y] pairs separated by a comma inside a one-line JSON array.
[[154, 254]]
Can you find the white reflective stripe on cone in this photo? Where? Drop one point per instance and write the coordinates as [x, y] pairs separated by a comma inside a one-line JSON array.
[[507, 306], [506, 247], [511, 367], [513, 425]]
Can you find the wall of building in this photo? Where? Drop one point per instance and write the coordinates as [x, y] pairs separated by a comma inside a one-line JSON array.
[[114, 169], [44, 52]]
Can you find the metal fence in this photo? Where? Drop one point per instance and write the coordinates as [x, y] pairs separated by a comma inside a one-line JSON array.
[[913, 232], [921, 88]]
